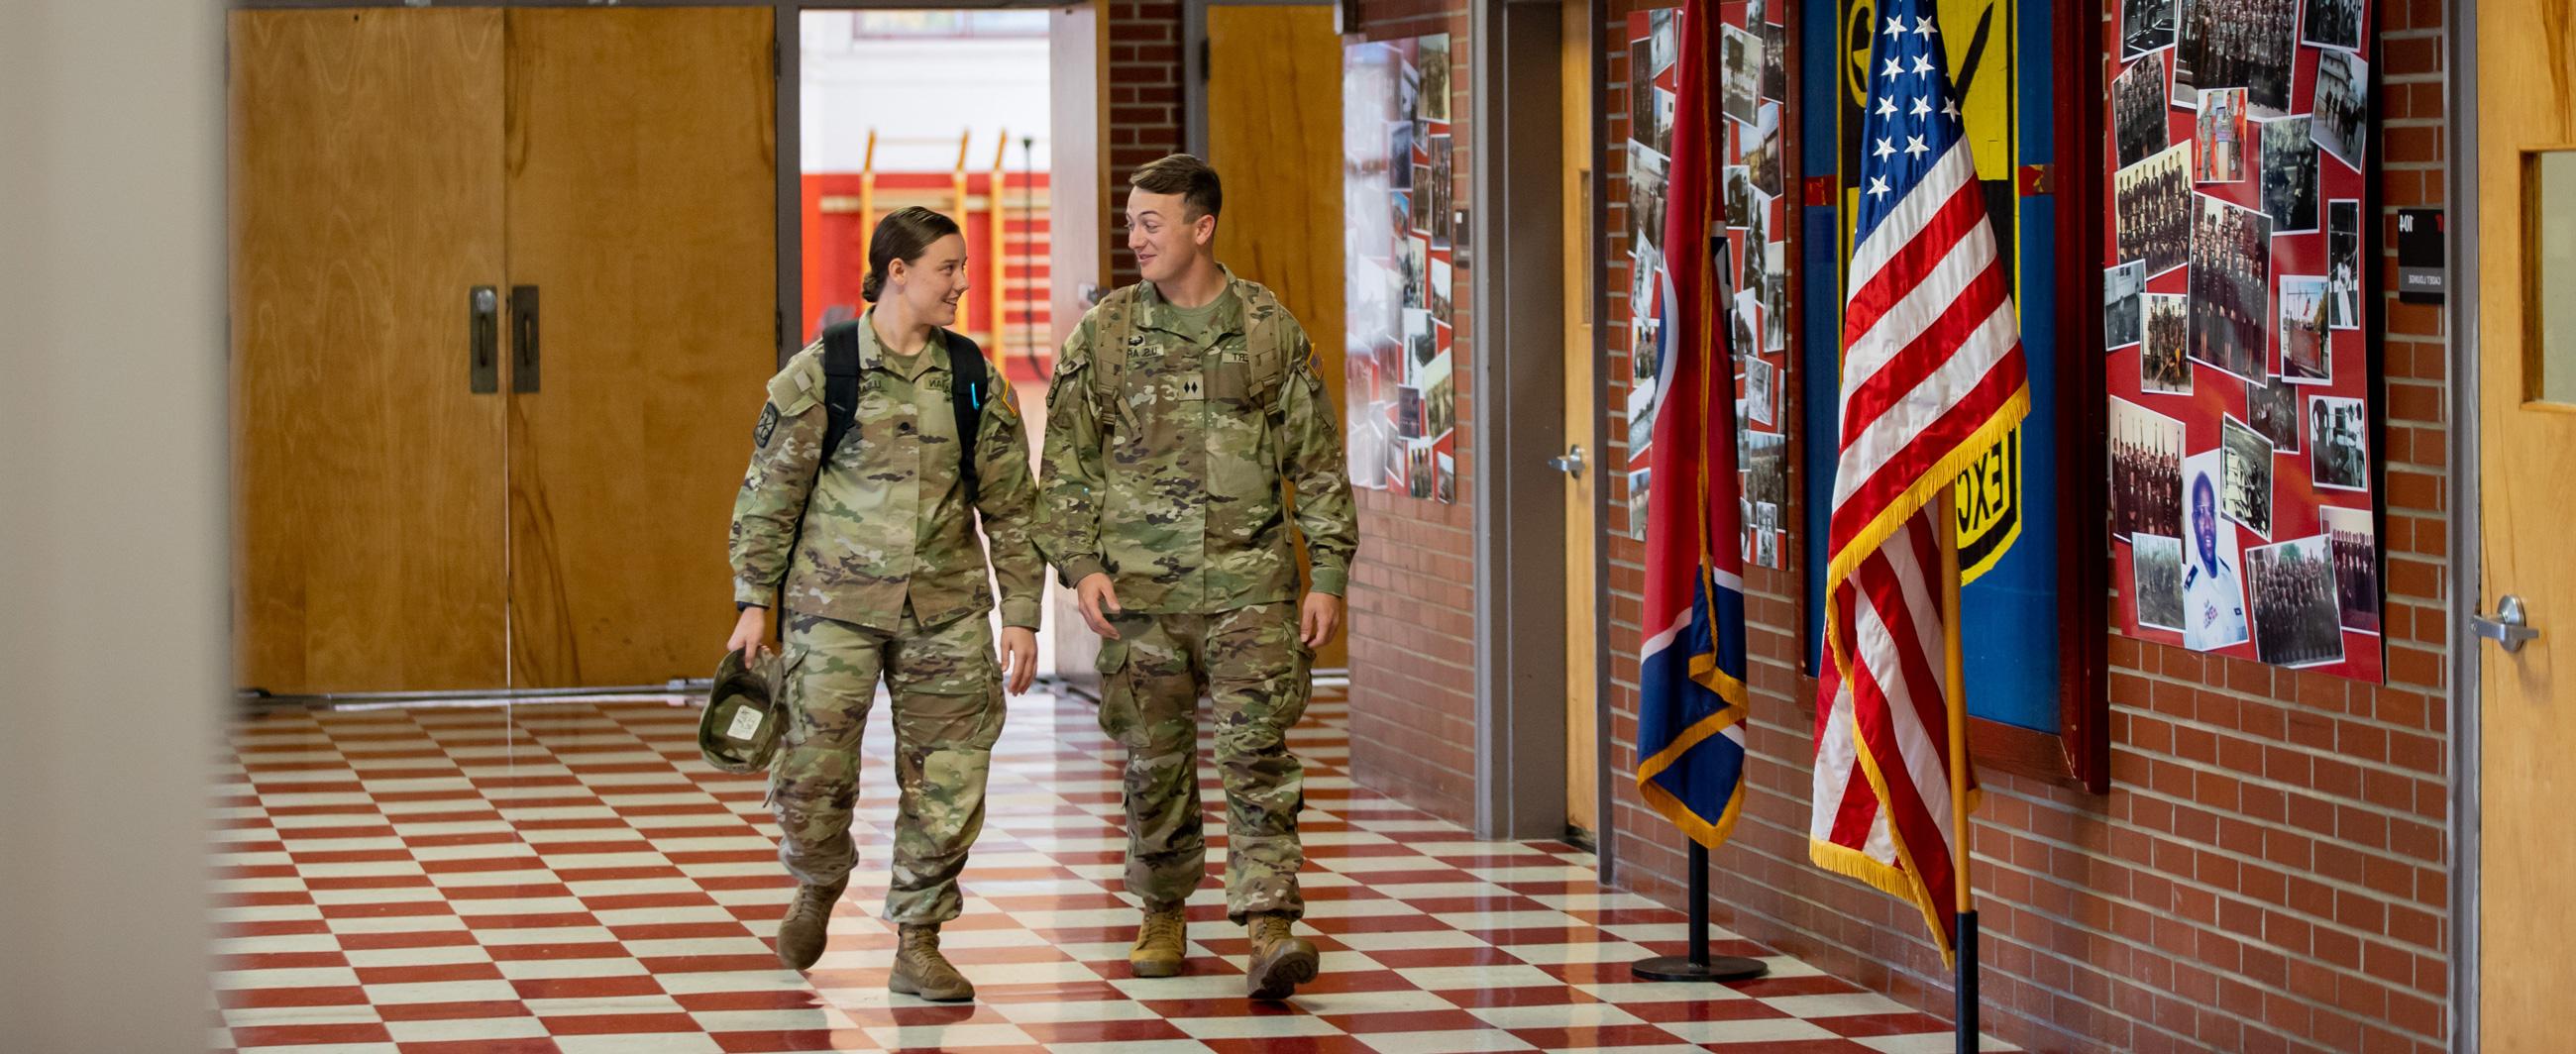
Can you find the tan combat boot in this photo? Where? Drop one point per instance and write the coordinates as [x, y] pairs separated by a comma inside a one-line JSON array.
[[920, 970], [802, 934], [1160, 941], [1280, 960]]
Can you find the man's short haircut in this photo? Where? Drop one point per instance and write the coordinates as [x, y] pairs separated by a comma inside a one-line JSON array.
[[1186, 176]]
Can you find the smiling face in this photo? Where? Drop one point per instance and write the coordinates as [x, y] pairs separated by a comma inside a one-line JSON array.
[[2204, 519], [929, 284], [1167, 238]]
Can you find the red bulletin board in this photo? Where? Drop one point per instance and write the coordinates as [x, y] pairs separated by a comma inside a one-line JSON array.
[[2244, 510]]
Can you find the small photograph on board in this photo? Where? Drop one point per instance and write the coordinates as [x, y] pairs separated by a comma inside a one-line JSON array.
[[2138, 110], [1445, 489], [1440, 287], [1775, 60], [1742, 64], [1417, 460], [2146, 471], [2273, 409], [1758, 378], [1764, 157], [1749, 280], [2155, 580], [1658, 113], [1444, 180], [1648, 172], [2343, 264], [1423, 192], [2152, 210], [2342, 103], [1766, 548], [1766, 467], [1645, 271], [1420, 345], [2250, 44], [2123, 309], [1639, 486], [1415, 266], [2289, 175], [1399, 155], [2355, 545], [2231, 256], [2306, 352], [2247, 498], [2297, 616], [2338, 455], [1440, 407], [1663, 30], [1775, 298], [1745, 331], [1400, 212], [2145, 25], [2161, 367], [2213, 591], [1741, 199], [2332, 24], [1641, 75], [1434, 59], [2220, 135], [2273, 413]]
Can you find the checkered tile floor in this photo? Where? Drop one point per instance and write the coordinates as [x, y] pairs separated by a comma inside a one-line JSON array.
[[570, 877]]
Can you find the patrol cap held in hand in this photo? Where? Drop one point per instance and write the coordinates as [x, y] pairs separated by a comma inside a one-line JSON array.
[[740, 729]]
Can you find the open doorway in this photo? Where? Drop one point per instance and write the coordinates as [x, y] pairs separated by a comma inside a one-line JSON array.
[[952, 110]]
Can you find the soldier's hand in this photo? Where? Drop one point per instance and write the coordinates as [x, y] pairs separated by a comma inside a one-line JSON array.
[[1019, 658], [750, 633], [1098, 596], [1321, 619]]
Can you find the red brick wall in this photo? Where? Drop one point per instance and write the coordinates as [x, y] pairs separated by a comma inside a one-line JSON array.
[[1413, 652], [2267, 872], [1144, 107]]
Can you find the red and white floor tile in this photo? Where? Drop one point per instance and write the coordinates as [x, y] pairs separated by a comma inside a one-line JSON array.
[[569, 876]]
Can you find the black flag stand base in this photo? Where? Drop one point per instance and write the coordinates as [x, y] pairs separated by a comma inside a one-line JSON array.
[[1967, 983], [1698, 965]]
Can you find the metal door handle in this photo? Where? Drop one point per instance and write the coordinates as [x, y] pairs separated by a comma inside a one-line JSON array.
[[2507, 628], [483, 358], [523, 338], [1571, 464]]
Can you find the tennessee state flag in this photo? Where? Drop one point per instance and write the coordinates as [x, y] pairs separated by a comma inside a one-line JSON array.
[[1690, 722]]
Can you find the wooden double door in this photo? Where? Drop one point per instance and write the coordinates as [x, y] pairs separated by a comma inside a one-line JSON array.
[[503, 299]]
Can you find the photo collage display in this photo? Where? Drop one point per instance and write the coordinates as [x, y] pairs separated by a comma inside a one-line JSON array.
[[1752, 270], [2242, 504], [1399, 250]]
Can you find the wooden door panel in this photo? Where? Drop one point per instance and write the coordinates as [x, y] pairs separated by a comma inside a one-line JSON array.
[[365, 204], [642, 193], [1582, 409], [2527, 453], [1274, 114]]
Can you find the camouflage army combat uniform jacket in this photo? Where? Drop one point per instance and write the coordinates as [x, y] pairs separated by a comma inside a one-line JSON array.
[[888, 523], [1166, 445]]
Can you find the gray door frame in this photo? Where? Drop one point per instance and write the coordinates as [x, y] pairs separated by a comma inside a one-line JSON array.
[[2465, 492]]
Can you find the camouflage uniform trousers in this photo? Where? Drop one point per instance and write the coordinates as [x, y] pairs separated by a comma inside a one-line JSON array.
[[1251, 662], [948, 709]]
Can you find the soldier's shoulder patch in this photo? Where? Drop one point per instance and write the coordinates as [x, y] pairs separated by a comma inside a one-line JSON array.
[[767, 427]]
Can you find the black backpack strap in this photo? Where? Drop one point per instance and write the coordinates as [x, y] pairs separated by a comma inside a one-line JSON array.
[[840, 386], [966, 396]]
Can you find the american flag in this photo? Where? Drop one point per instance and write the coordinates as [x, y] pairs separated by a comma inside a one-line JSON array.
[[1932, 375]]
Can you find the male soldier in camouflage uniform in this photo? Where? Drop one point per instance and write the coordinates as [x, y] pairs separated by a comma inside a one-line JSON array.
[[1179, 407], [887, 578]]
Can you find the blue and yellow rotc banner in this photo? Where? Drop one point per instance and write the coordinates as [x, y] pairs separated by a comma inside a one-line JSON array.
[[1999, 54]]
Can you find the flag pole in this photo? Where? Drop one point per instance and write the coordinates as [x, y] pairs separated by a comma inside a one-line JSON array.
[[1955, 693], [1698, 964]]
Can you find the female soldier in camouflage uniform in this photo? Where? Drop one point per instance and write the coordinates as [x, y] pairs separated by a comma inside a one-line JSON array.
[[875, 544]]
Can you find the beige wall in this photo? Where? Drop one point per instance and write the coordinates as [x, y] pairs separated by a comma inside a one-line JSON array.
[[112, 563]]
